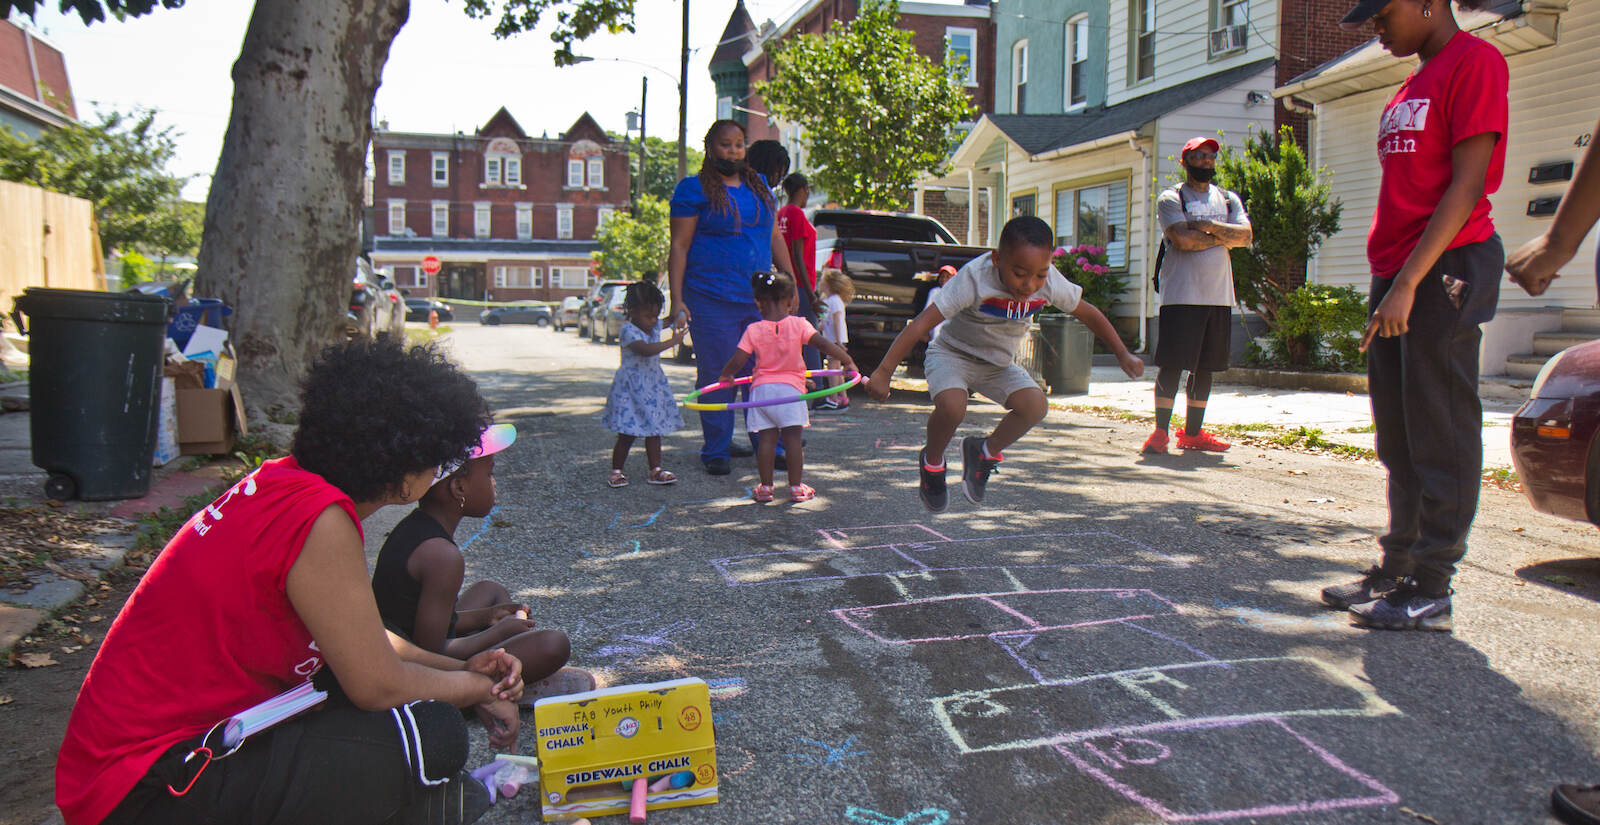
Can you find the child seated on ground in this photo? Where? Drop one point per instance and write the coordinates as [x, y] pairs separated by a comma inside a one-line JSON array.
[[420, 570], [988, 305]]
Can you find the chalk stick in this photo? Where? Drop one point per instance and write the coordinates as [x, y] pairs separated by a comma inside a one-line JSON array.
[[636, 807]]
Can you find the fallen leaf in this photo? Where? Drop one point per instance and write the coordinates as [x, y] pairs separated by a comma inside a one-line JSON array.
[[93, 619], [1518, 529], [1319, 501], [1422, 816], [71, 648], [53, 503], [1567, 581], [6, 700], [36, 660], [500, 523], [1298, 472], [1519, 583]]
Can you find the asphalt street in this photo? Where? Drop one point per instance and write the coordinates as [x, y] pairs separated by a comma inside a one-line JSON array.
[[1111, 638]]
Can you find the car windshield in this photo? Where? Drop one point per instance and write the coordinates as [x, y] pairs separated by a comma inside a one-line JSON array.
[[833, 224]]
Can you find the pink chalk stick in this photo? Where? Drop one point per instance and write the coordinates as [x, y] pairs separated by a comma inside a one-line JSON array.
[[662, 784], [636, 807]]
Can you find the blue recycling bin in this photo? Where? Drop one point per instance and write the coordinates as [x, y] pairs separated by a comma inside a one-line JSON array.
[[207, 311]]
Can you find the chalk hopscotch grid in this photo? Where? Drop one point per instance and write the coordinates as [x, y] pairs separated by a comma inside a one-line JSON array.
[[1013, 639]]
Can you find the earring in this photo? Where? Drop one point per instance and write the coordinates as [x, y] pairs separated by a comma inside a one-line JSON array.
[[1427, 12], [461, 502]]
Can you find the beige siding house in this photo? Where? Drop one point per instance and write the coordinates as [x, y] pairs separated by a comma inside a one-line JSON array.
[[1175, 69], [1553, 50]]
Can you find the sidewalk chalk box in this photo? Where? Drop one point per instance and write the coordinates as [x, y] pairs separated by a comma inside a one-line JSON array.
[[591, 743], [209, 420]]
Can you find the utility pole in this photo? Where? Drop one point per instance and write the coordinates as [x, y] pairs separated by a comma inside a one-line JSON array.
[[644, 95], [683, 99]]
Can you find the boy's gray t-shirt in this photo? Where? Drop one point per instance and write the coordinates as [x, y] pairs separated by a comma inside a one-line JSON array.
[[1204, 277], [983, 321]]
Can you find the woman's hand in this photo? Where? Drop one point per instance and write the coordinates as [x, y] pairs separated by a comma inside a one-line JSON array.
[[680, 315], [502, 722], [504, 669], [1393, 315]]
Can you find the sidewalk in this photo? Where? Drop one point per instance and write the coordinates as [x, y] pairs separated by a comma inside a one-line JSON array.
[[1335, 414]]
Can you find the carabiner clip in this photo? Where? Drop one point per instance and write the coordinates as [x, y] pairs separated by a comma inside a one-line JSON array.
[[201, 751]]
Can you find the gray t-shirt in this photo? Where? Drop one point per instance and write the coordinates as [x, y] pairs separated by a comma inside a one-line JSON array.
[[984, 321], [1204, 277]]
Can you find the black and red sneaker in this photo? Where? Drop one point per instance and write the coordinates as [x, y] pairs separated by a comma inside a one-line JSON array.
[[931, 489]]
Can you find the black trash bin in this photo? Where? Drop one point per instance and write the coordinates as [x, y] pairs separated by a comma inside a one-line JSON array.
[[94, 388], [1068, 353]]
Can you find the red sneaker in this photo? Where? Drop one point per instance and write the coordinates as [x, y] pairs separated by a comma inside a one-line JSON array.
[[1156, 443], [1203, 441]]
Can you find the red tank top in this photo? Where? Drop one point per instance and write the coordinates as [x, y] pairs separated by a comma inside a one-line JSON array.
[[208, 632]]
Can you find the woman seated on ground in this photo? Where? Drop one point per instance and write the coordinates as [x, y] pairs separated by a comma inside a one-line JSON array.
[[420, 570], [260, 590]]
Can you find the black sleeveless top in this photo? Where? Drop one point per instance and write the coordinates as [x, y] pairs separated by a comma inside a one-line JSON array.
[[397, 593]]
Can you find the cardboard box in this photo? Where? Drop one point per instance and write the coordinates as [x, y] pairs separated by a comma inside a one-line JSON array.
[[591, 743], [209, 420]]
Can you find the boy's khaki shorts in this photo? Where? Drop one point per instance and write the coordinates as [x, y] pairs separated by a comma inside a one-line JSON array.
[[947, 369]]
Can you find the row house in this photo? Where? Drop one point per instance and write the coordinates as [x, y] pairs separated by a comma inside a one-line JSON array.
[[509, 217], [946, 33], [1093, 100], [1550, 47], [35, 93]]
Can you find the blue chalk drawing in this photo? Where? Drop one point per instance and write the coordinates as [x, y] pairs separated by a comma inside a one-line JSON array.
[[482, 527], [830, 754], [926, 816]]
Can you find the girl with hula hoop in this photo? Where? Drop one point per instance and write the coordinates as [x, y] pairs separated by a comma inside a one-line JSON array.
[[779, 379]]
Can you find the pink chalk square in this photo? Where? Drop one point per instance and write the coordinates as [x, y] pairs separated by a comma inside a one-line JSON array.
[[953, 618], [1222, 770]]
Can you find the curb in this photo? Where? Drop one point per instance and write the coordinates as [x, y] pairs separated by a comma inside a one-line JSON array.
[[1291, 380], [21, 612]]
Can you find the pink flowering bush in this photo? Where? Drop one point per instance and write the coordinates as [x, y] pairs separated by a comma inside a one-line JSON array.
[[1086, 266]]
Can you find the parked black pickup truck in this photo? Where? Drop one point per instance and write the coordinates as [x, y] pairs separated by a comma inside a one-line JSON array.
[[894, 260]]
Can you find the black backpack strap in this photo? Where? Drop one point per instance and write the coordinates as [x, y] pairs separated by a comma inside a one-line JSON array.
[[1161, 252]]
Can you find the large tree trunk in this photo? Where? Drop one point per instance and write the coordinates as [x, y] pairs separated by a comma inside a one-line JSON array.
[[282, 217]]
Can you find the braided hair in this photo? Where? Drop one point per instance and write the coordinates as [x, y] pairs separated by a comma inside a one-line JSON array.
[[772, 286], [642, 294], [711, 181]]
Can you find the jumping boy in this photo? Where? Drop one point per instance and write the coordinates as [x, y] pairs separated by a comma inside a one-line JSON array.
[[987, 306]]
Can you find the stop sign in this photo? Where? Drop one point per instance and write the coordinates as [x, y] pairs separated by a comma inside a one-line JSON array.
[[430, 265]]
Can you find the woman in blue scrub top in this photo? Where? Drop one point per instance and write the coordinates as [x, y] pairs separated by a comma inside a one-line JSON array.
[[723, 232]]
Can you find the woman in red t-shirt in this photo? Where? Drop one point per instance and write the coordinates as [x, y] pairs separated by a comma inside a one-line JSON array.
[[1436, 264], [261, 589]]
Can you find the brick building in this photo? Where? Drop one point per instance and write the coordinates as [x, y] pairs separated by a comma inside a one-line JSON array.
[[35, 93], [510, 217]]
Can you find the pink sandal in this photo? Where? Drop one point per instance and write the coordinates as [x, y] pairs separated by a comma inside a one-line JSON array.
[[617, 479], [763, 492], [801, 492], [660, 476]]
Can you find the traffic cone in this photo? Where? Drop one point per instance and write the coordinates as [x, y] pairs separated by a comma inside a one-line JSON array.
[[433, 319]]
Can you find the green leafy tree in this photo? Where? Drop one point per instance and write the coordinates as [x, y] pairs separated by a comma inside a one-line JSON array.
[[118, 163], [876, 114], [660, 173], [1292, 211], [284, 206], [631, 245]]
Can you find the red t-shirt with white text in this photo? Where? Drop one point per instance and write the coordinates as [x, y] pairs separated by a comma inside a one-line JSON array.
[[1460, 93], [208, 632], [793, 225]]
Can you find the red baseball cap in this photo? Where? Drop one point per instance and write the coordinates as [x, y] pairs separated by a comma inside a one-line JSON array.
[[1199, 143]]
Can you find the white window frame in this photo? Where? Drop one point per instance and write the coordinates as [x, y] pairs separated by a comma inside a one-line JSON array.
[[397, 218], [535, 277], [491, 170], [1077, 52], [441, 218], [563, 220], [524, 221], [602, 215], [597, 172], [482, 215], [574, 173], [397, 167], [419, 277], [1226, 14], [559, 274], [1019, 75], [951, 33], [513, 167], [499, 277], [441, 168]]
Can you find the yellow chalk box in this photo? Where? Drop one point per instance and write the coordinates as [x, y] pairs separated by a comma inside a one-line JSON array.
[[593, 745]]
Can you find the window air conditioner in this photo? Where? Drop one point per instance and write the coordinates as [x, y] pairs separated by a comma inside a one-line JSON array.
[[1227, 39]]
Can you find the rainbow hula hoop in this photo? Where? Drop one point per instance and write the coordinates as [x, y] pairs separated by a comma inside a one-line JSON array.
[[690, 402]]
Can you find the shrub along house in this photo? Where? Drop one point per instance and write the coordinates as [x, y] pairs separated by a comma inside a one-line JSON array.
[[510, 217], [1553, 50], [1093, 101]]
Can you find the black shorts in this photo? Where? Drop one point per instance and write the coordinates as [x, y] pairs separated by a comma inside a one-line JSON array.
[[1194, 337]]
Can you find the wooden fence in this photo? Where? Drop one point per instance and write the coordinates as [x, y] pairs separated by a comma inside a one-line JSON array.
[[46, 239]]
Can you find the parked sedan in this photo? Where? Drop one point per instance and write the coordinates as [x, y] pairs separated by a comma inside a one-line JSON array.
[[417, 309], [607, 318], [571, 306], [1553, 443], [375, 307], [521, 312]]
